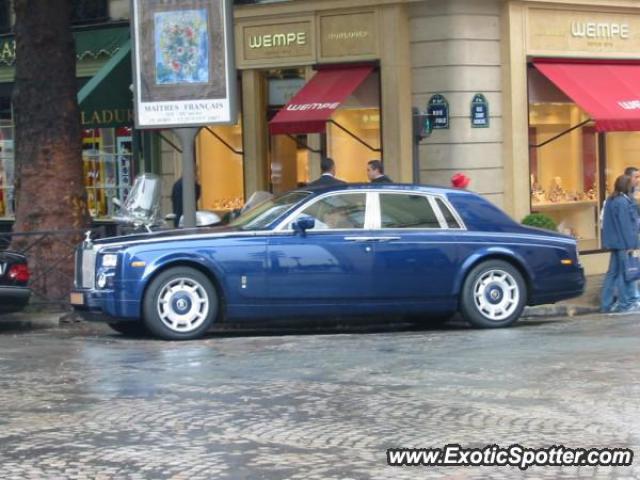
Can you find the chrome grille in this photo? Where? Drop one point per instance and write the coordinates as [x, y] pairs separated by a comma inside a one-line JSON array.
[[85, 268]]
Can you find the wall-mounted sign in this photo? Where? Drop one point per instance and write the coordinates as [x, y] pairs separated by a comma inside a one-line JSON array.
[[344, 35], [184, 70], [278, 40], [479, 111], [553, 30], [438, 111]]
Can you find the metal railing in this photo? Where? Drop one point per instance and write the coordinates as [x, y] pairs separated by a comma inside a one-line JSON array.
[[50, 269]]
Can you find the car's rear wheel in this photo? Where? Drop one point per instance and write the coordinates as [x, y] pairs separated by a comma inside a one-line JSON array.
[[180, 304], [134, 329], [493, 295]]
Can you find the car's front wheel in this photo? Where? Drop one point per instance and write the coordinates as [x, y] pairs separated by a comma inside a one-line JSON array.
[[180, 304], [493, 295]]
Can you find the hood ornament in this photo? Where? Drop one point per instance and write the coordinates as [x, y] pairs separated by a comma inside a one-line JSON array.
[[87, 240]]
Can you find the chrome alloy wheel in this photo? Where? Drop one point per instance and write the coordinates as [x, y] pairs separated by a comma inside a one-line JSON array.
[[496, 295], [183, 304]]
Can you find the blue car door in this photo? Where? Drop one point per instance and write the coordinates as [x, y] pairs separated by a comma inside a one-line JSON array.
[[331, 263], [416, 256]]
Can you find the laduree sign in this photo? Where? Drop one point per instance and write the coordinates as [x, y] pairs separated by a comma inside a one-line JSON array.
[[184, 69]]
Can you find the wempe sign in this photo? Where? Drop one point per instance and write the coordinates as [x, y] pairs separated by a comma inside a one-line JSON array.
[[184, 70]]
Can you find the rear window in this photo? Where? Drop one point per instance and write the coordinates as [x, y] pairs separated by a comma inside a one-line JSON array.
[[407, 211], [446, 213]]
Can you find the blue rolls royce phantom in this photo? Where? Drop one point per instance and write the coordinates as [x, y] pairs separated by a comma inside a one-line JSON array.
[[347, 250]]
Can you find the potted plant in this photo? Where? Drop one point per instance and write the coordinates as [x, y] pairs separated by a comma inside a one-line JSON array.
[[540, 220]]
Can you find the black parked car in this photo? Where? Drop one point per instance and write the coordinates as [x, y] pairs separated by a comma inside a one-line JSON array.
[[14, 277]]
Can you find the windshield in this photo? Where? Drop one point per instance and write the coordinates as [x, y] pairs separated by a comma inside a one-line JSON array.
[[266, 212]]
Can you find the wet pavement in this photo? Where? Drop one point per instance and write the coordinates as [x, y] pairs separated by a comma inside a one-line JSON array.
[[82, 402]]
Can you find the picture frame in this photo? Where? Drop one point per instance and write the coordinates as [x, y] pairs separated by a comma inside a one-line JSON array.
[[183, 63]]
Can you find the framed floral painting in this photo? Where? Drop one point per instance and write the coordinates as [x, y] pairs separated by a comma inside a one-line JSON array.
[[183, 62]]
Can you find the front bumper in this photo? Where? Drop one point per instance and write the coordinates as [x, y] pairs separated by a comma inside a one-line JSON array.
[[13, 299], [103, 306]]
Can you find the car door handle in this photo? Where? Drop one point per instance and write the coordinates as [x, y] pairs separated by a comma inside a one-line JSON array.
[[371, 239], [360, 239]]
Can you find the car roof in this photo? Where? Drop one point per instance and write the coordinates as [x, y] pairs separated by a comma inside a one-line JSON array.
[[394, 187]]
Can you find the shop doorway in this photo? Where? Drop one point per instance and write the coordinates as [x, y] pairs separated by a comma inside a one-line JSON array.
[[352, 135]]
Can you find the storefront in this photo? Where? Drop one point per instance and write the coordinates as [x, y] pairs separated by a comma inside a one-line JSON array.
[[104, 74], [577, 74], [354, 84]]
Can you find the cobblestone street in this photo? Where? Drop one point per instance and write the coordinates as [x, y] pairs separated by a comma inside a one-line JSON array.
[[82, 402]]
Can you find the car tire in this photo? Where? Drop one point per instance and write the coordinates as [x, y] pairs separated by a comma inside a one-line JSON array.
[[132, 329], [181, 303], [493, 295]]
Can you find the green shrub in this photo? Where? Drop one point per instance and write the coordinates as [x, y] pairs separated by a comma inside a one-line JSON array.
[[540, 220]]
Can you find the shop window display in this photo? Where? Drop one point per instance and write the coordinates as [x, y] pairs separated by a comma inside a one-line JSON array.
[[350, 155], [360, 115], [564, 162], [7, 168], [572, 170], [108, 168], [220, 168]]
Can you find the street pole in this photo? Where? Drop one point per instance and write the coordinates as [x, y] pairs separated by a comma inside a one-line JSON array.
[[415, 140], [187, 139]]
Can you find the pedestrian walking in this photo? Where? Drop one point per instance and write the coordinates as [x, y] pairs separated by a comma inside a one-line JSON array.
[[620, 235], [375, 172], [328, 174]]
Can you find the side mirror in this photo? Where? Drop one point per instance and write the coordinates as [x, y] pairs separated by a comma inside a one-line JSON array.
[[303, 223]]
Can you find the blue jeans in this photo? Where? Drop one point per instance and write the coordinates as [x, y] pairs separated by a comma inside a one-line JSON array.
[[614, 284]]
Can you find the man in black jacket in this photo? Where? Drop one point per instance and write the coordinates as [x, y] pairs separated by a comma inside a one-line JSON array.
[[375, 172], [328, 176], [176, 199]]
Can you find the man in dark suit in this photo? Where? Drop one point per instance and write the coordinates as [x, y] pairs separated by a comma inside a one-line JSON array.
[[375, 172], [176, 199], [328, 176]]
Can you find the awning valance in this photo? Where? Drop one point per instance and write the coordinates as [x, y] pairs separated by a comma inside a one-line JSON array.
[[106, 100], [309, 110], [90, 44], [608, 91]]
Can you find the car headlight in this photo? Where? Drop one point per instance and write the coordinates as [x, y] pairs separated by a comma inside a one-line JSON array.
[[102, 280], [109, 260]]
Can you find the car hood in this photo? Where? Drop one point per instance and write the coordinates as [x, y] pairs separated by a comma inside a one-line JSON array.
[[165, 235]]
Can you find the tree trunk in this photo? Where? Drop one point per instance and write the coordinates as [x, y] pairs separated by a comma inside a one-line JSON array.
[[50, 195]]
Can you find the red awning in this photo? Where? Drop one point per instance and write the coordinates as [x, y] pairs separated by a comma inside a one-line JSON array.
[[309, 110], [608, 91]]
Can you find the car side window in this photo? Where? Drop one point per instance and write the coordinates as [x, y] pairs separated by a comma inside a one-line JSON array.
[[344, 211], [407, 211], [446, 213]]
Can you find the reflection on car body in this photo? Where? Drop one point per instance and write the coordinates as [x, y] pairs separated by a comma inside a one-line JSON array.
[[352, 249]]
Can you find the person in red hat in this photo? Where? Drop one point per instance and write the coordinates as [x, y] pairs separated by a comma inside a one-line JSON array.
[[460, 180]]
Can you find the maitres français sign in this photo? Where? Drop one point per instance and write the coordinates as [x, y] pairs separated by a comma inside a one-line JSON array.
[[184, 68]]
